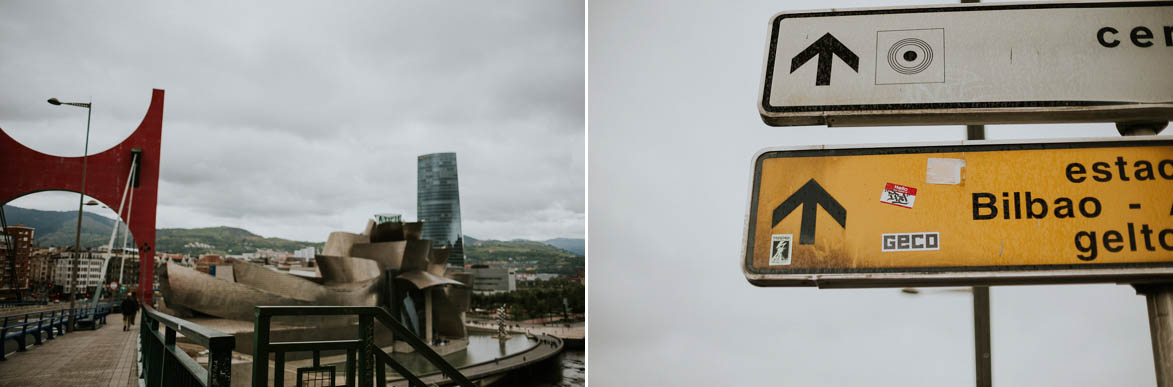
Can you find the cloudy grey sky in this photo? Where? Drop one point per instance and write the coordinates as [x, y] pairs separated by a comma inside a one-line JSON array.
[[294, 119], [673, 128]]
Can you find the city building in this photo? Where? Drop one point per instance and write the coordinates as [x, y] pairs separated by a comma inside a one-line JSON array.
[[178, 259], [266, 256], [306, 253], [127, 261], [438, 204], [206, 263], [41, 267], [89, 271], [530, 277], [493, 279], [15, 263]]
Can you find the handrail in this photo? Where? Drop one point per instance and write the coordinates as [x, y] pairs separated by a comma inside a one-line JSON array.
[[17, 326], [367, 350], [106, 306], [91, 314], [164, 365], [421, 347]]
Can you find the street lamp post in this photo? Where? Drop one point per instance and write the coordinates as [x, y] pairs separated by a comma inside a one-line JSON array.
[[80, 204]]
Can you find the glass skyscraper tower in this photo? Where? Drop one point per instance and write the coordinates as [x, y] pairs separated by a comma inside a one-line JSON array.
[[438, 204]]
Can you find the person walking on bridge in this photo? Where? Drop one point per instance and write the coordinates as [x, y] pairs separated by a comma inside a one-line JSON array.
[[129, 309]]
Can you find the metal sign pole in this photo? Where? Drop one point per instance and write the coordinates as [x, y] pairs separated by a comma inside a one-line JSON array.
[[981, 335], [1160, 304], [1159, 297], [981, 305], [981, 297]]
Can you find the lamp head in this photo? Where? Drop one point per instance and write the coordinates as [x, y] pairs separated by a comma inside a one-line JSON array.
[[54, 101]]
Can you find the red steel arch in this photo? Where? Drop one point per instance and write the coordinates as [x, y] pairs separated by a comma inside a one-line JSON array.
[[24, 171]]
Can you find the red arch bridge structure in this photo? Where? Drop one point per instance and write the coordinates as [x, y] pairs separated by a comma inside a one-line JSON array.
[[135, 161]]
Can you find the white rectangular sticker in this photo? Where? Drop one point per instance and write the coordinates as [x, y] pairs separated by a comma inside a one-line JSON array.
[[780, 249], [911, 241], [943, 171]]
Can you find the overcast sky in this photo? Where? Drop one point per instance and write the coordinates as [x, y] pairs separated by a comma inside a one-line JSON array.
[[673, 128], [295, 119]]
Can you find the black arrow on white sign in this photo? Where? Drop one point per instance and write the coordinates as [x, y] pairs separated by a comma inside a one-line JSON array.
[[824, 48], [810, 196]]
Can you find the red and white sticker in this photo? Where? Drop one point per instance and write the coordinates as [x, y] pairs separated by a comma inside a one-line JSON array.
[[898, 195]]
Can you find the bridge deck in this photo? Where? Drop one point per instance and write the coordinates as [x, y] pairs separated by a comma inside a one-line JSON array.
[[102, 357]]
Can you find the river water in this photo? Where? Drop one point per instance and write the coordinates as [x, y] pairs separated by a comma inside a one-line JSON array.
[[571, 372]]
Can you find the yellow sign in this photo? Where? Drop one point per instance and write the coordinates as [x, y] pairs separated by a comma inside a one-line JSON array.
[[973, 213]]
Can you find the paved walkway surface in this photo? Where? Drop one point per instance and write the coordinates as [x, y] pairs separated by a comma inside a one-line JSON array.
[[103, 357]]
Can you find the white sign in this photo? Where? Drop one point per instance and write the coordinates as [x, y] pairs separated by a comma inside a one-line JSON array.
[[970, 64]]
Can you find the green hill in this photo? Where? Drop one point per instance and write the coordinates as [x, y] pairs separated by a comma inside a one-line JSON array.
[[524, 255], [58, 228], [229, 240], [574, 245]]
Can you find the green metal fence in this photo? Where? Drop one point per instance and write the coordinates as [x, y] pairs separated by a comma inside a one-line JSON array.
[[364, 360], [164, 364]]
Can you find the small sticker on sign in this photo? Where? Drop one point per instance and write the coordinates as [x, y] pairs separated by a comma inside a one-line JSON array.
[[898, 195], [780, 249]]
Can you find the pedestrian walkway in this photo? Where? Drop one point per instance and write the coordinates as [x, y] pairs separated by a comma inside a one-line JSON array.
[[103, 357]]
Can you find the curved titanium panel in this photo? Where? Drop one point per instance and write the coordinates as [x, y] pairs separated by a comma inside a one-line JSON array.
[[389, 255], [439, 256], [415, 257], [446, 315], [399, 255], [339, 243], [460, 295], [336, 270], [357, 293], [423, 280], [413, 230], [206, 294], [387, 232]]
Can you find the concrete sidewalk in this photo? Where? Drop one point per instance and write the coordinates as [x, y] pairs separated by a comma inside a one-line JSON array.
[[103, 357]]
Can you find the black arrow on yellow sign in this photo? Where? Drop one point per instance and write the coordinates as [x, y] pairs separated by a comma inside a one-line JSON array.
[[810, 196]]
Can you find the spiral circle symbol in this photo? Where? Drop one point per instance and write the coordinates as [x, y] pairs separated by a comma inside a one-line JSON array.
[[910, 56]]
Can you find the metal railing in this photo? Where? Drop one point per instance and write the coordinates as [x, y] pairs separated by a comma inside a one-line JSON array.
[[45, 324], [164, 364], [7, 305], [370, 358], [90, 317]]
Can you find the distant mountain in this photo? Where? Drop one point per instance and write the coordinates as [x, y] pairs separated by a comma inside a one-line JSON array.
[[57, 228], [229, 240], [574, 245], [526, 256]]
